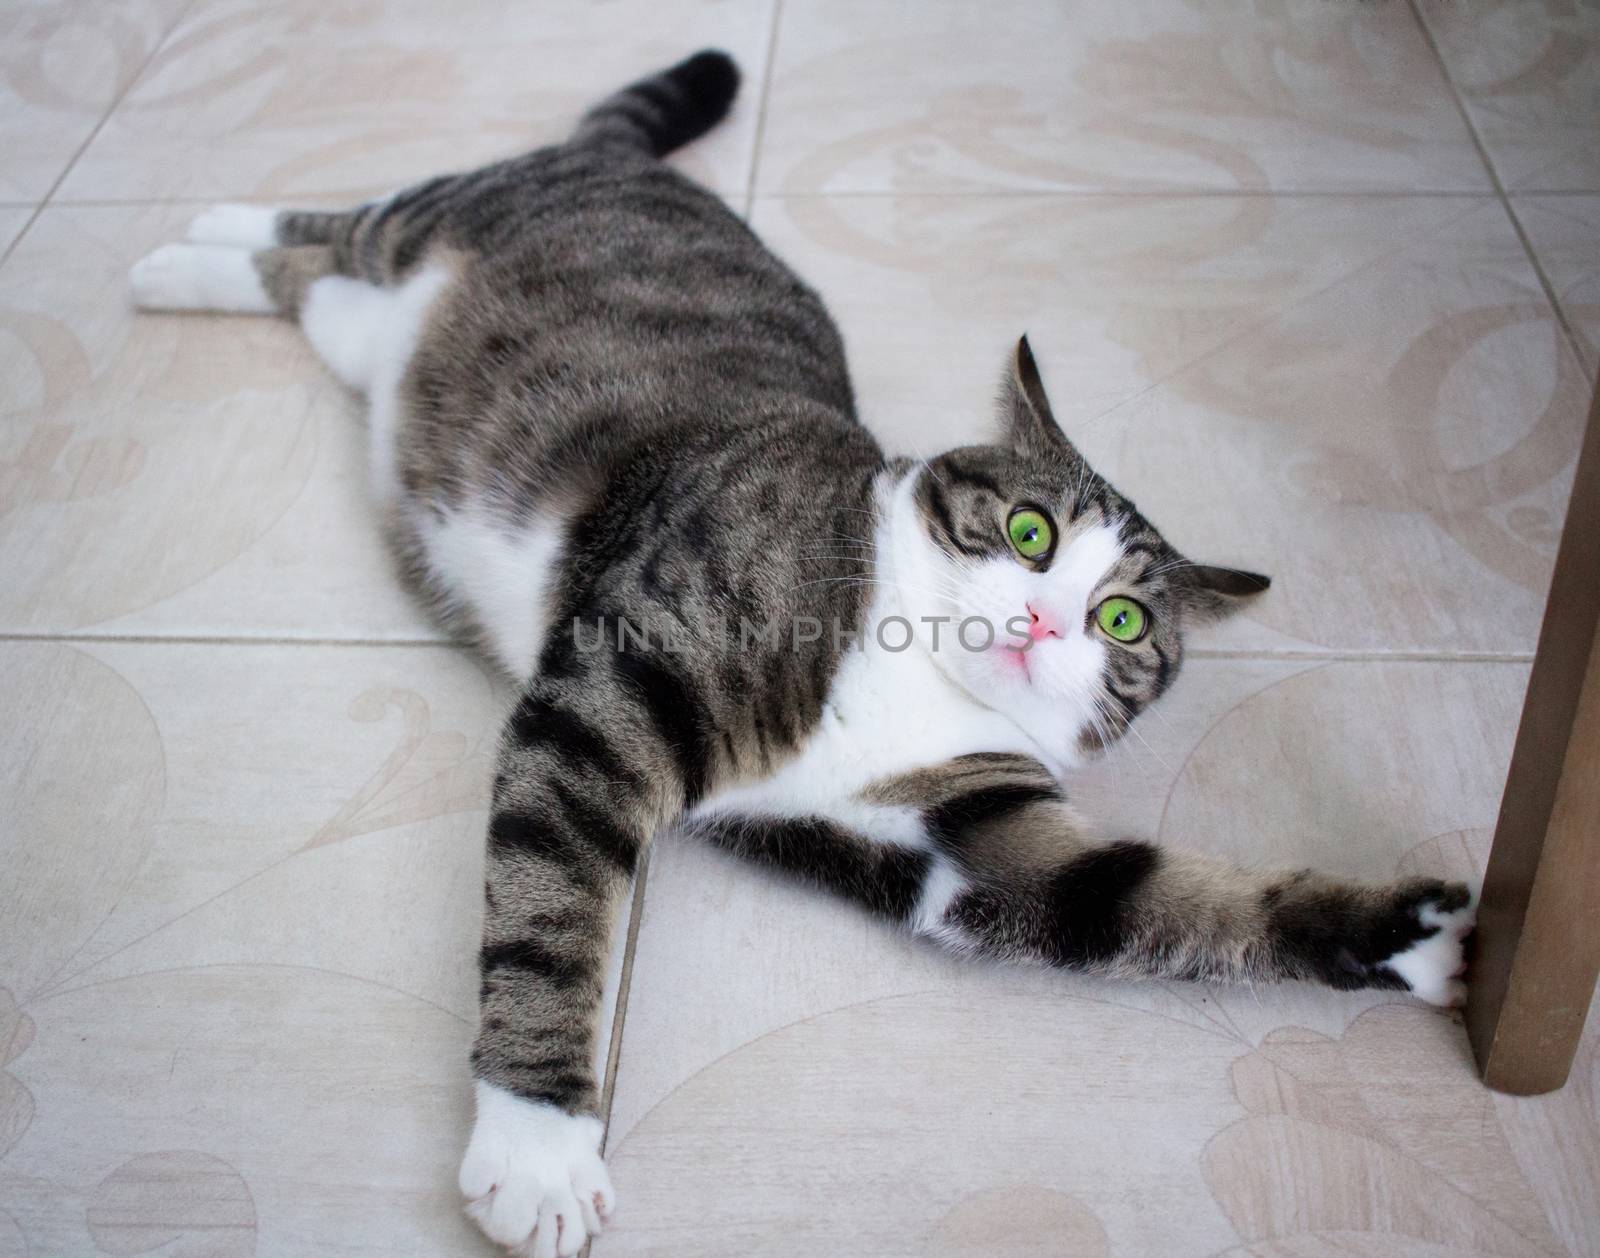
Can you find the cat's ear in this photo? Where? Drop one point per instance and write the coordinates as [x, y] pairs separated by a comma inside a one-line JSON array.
[[1030, 427], [1212, 593]]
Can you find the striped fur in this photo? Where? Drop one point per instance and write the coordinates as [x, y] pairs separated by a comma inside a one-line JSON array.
[[611, 434], [665, 111], [1030, 885]]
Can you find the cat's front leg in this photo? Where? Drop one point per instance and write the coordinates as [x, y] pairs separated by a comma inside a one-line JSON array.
[[583, 782], [997, 865], [1027, 881]]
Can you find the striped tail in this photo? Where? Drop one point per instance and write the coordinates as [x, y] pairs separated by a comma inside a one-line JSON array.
[[666, 110]]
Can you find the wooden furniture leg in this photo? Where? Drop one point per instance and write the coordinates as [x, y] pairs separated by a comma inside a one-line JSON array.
[[1538, 939]]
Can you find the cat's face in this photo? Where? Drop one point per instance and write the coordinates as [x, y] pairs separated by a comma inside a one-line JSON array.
[[1087, 601]]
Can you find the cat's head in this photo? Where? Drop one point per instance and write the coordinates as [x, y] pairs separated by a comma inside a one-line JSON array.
[[1088, 602]]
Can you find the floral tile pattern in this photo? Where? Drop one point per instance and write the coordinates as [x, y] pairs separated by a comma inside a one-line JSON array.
[[1529, 74], [1276, 294], [352, 100], [270, 908], [62, 67], [198, 475], [1138, 96]]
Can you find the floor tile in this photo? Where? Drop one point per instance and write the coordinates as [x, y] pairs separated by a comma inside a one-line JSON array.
[[1369, 399], [795, 1079], [1529, 74], [308, 99], [1027, 94], [260, 922], [65, 65], [1565, 232], [174, 474], [13, 218]]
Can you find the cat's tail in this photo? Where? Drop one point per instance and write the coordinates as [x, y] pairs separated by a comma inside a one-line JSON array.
[[666, 110]]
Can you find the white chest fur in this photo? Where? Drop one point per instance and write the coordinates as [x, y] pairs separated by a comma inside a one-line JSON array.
[[888, 712]]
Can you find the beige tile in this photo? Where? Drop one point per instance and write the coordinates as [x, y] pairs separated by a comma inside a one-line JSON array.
[[241, 908], [183, 474], [795, 1079], [1529, 73], [64, 66], [307, 99], [1134, 96], [1565, 232], [13, 218], [1368, 398], [256, 788]]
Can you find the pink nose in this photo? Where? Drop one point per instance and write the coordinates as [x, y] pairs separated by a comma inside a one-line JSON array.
[[1039, 628]]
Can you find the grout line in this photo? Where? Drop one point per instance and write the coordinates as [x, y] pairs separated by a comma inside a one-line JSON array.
[[1203, 653], [312, 200], [1573, 339], [1175, 192], [619, 1015], [197, 639], [78, 152], [761, 108], [1366, 657], [305, 200], [1574, 342], [300, 200]]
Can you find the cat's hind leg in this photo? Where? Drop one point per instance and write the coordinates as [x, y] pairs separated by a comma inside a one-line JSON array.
[[231, 279], [200, 277], [364, 332], [247, 259], [241, 226], [261, 227]]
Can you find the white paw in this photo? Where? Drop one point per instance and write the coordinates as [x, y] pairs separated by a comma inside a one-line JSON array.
[[1433, 967], [532, 1175], [198, 277], [165, 279], [243, 226]]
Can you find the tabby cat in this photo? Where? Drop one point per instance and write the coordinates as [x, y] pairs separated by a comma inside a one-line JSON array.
[[614, 444]]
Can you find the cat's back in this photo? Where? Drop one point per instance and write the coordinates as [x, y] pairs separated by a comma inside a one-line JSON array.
[[614, 380], [600, 302]]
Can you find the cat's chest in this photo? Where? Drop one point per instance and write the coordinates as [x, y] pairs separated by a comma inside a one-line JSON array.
[[887, 713]]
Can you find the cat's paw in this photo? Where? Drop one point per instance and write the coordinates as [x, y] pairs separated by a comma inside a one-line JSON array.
[[1435, 920], [243, 226], [198, 277], [165, 279], [532, 1175]]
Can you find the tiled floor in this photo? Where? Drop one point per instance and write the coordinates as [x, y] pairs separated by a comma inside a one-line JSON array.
[[1315, 282]]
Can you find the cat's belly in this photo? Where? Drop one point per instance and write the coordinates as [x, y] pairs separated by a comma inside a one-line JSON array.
[[494, 571]]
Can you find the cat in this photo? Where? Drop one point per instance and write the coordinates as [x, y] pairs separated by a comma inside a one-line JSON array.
[[615, 446]]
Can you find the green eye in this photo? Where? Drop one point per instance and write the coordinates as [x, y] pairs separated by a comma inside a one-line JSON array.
[[1030, 533], [1122, 619]]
